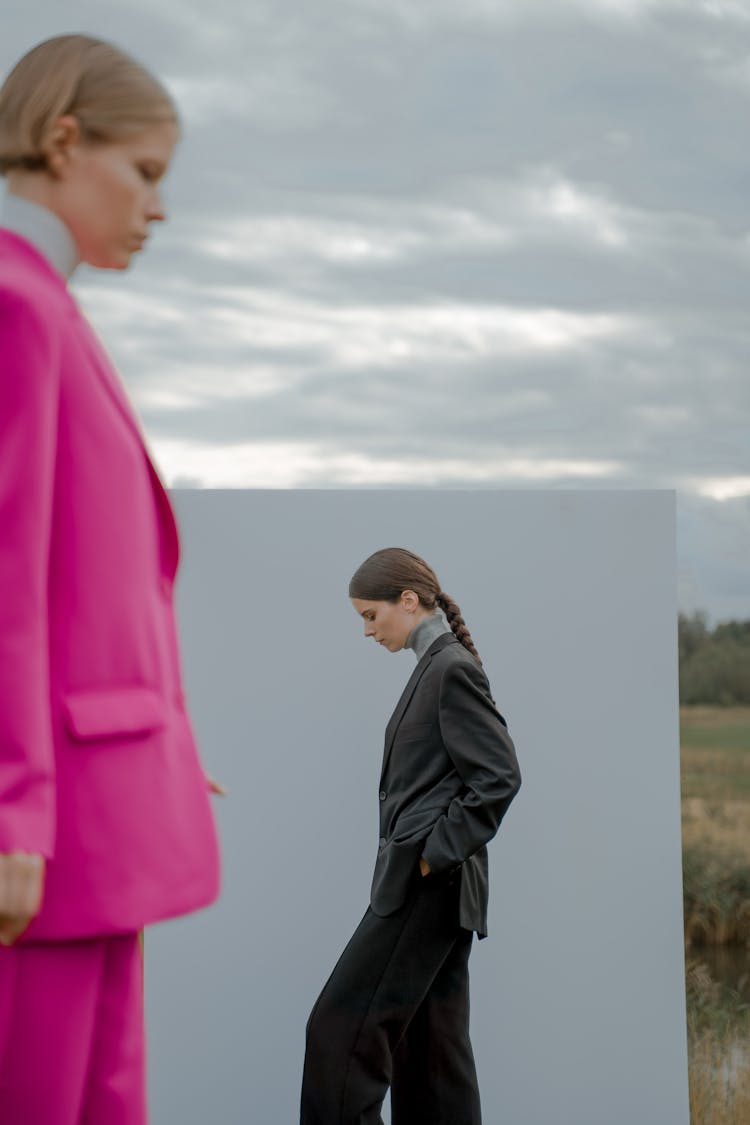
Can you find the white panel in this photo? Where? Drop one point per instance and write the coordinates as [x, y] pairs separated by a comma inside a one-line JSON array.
[[578, 998]]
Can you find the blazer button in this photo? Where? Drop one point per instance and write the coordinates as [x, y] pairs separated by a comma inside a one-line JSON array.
[[382, 841], [383, 794]]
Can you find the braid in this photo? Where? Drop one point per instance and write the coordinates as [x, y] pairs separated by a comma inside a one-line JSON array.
[[459, 628]]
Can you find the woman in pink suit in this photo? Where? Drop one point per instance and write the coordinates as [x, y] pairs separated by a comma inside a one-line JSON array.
[[105, 823]]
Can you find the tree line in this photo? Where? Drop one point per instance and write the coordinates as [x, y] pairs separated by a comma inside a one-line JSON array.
[[714, 663]]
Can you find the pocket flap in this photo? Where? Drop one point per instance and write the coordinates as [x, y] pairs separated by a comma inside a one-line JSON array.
[[123, 712]]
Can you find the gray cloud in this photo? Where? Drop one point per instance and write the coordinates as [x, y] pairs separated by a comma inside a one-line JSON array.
[[421, 243]]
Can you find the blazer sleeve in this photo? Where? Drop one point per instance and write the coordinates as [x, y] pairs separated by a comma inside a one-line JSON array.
[[476, 739], [29, 393]]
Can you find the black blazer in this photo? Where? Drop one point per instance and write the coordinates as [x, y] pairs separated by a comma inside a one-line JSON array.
[[449, 775]]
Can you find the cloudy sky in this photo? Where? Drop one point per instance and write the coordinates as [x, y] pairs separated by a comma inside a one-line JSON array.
[[494, 243]]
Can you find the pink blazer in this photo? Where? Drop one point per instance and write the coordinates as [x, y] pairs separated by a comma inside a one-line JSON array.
[[98, 766]]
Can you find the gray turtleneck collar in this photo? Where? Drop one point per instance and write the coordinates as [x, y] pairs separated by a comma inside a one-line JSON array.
[[426, 632], [42, 228]]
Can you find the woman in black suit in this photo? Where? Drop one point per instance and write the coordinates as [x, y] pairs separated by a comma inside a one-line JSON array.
[[395, 1011]]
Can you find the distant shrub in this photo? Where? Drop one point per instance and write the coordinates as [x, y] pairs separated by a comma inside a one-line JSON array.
[[714, 665]]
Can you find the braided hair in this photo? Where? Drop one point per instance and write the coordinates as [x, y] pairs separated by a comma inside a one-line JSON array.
[[385, 575]]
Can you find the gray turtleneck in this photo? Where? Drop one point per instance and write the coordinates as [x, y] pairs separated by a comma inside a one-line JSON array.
[[39, 226], [427, 631]]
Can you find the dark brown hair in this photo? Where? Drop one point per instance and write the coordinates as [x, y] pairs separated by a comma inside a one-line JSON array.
[[110, 94], [385, 575]]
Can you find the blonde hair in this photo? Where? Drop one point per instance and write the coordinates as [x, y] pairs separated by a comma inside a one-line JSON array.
[[111, 96]]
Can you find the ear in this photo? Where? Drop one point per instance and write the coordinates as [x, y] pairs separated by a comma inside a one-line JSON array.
[[59, 143], [409, 601]]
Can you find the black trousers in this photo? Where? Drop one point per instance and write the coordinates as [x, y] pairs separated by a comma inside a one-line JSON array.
[[395, 1013]]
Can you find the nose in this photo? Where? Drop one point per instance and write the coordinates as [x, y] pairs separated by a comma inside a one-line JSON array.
[[155, 209], [369, 629]]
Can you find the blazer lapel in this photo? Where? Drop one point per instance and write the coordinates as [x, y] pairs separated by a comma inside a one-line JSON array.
[[13, 244], [108, 376], [113, 385], [170, 536], [408, 692]]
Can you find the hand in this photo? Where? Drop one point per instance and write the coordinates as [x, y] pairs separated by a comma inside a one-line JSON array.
[[216, 786], [21, 886], [424, 866]]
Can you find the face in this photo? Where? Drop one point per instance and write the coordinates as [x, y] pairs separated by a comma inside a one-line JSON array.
[[108, 195], [390, 623]]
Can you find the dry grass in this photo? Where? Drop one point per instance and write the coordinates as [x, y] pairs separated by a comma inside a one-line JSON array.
[[719, 1072], [718, 825], [718, 1050], [705, 716], [716, 894]]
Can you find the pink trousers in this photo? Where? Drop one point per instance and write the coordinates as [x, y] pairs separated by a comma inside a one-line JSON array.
[[71, 1033]]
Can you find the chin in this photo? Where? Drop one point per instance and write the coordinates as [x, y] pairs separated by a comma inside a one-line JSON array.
[[114, 261], [122, 263]]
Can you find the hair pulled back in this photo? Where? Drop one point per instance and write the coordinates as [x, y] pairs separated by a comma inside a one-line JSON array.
[[111, 96], [385, 575]]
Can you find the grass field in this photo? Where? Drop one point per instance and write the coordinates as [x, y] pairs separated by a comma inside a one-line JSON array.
[[715, 753], [715, 770]]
